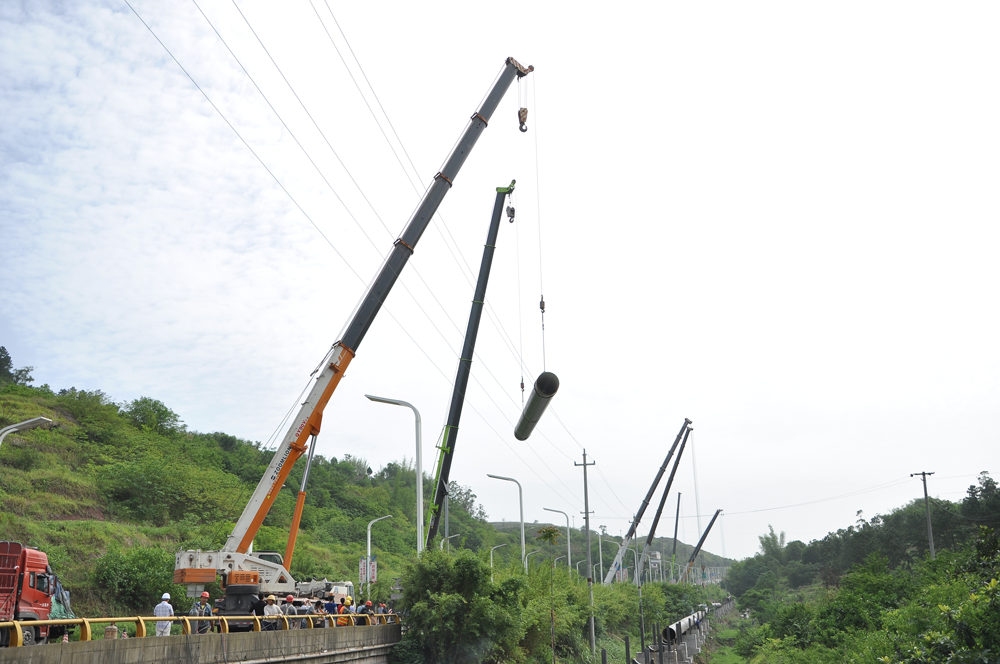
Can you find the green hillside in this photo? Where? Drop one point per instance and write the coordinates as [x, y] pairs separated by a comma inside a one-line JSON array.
[[112, 489]]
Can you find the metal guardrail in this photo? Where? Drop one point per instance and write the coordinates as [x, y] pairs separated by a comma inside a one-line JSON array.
[[259, 623]]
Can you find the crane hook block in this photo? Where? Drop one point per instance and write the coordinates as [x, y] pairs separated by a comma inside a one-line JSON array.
[[522, 117], [510, 213], [538, 400]]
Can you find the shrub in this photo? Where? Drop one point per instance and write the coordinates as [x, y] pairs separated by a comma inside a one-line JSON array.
[[136, 577]]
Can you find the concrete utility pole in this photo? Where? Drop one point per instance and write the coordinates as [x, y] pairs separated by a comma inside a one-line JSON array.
[[590, 564], [927, 505]]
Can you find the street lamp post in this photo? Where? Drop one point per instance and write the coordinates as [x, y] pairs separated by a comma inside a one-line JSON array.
[[528, 556], [368, 559], [445, 539], [520, 500], [24, 426], [491, 559], [419, 463], [569, 559], [578, 565]]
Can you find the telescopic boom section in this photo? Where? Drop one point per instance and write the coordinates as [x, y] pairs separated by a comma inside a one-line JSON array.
[[701, 543], [663, 501], [450, 434], [617, 565], [309, 418]]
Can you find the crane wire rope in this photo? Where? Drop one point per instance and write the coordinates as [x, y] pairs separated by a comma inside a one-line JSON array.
[[491, 312], [323, 235], [538, 205]]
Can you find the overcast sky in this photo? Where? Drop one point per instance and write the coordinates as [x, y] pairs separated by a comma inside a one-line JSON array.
[[776, 219]]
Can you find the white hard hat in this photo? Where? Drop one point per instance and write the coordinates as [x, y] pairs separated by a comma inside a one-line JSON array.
[[165, 596]]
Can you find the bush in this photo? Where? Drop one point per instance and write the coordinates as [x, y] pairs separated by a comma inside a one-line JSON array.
[[456, 614], [136, 578]]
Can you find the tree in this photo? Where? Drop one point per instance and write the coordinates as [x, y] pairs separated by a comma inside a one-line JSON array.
[[462, 497], [548, 534], [773, 545], [152, 416], [456, 614], [8, 374]]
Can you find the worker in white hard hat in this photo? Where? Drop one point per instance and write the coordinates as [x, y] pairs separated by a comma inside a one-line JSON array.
[[163, 610], [202, 608], [271, 609]]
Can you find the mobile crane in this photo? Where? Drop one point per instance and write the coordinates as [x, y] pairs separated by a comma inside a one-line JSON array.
[[244, 574]]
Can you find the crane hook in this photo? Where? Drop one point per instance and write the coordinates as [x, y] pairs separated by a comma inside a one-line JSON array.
[[522, 117], [510, 213]]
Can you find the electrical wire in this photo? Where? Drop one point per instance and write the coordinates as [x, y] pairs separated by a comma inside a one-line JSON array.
[[309, 218]]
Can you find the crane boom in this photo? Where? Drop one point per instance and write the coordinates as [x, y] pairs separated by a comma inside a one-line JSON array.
[[659, 509], [308, 419], [616, 566], [450, 434], [701, 543]]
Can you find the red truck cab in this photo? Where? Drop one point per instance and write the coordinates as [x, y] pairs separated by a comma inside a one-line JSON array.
[[26, 588]]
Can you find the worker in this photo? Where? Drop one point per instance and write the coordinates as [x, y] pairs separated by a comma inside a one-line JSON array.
[[342, 619], [271, 609], [331, 604], [320, 612], [202, 609], [289, 610], [163, 610]]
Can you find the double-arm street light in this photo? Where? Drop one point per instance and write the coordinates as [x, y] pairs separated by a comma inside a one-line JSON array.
[[24, 426], [520, 499], [420, 468]]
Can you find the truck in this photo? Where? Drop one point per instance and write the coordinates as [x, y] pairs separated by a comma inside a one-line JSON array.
[[243, 574], [30, 591]]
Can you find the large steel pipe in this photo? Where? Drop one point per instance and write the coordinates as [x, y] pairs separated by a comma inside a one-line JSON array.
[[544, 389], [673, 632]]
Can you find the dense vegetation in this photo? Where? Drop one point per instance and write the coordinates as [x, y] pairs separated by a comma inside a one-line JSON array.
[[870, 593], [113, 489]]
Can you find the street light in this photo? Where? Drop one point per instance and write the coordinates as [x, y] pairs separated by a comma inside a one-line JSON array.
[[420, 467], [445, 539], [635, 559], [491, 559], [24, 426], [520, 498], [578, 565], [528, 556], [368, 560], [569, 560]]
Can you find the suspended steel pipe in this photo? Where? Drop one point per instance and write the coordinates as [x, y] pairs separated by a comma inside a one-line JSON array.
[[545, 388]]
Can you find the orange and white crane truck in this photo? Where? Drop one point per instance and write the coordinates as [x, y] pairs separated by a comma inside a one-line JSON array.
[[244, 574], [29, 591]]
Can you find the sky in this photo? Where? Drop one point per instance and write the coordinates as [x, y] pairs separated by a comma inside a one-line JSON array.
[[777, 219]]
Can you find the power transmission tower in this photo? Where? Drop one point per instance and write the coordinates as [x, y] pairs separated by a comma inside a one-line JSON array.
[[590, 563], [927, 506]]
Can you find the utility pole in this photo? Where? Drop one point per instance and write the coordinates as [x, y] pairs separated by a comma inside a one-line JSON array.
[[590, 564], [927, 505]]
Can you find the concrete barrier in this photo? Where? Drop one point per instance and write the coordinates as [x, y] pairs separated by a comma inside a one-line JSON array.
[[358, 645]]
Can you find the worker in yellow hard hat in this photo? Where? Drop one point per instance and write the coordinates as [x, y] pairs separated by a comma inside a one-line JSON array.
[[272, 609]]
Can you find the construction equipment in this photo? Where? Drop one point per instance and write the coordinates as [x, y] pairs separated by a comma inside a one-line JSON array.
[[449, 435], [697, 549], [616, 567], [659, 509], [30, 591], [268, 572]]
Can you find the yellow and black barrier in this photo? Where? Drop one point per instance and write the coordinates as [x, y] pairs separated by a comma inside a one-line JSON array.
[[16, 627]]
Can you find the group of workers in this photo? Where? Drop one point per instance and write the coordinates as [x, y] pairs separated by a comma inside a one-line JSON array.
[[323, 614]]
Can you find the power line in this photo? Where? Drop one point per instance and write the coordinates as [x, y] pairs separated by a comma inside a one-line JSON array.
[[309, 218]]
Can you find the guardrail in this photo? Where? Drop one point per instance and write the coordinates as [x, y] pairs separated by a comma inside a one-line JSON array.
[[259, 623]]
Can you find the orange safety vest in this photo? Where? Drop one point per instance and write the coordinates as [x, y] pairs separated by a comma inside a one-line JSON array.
[[342, 619]]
